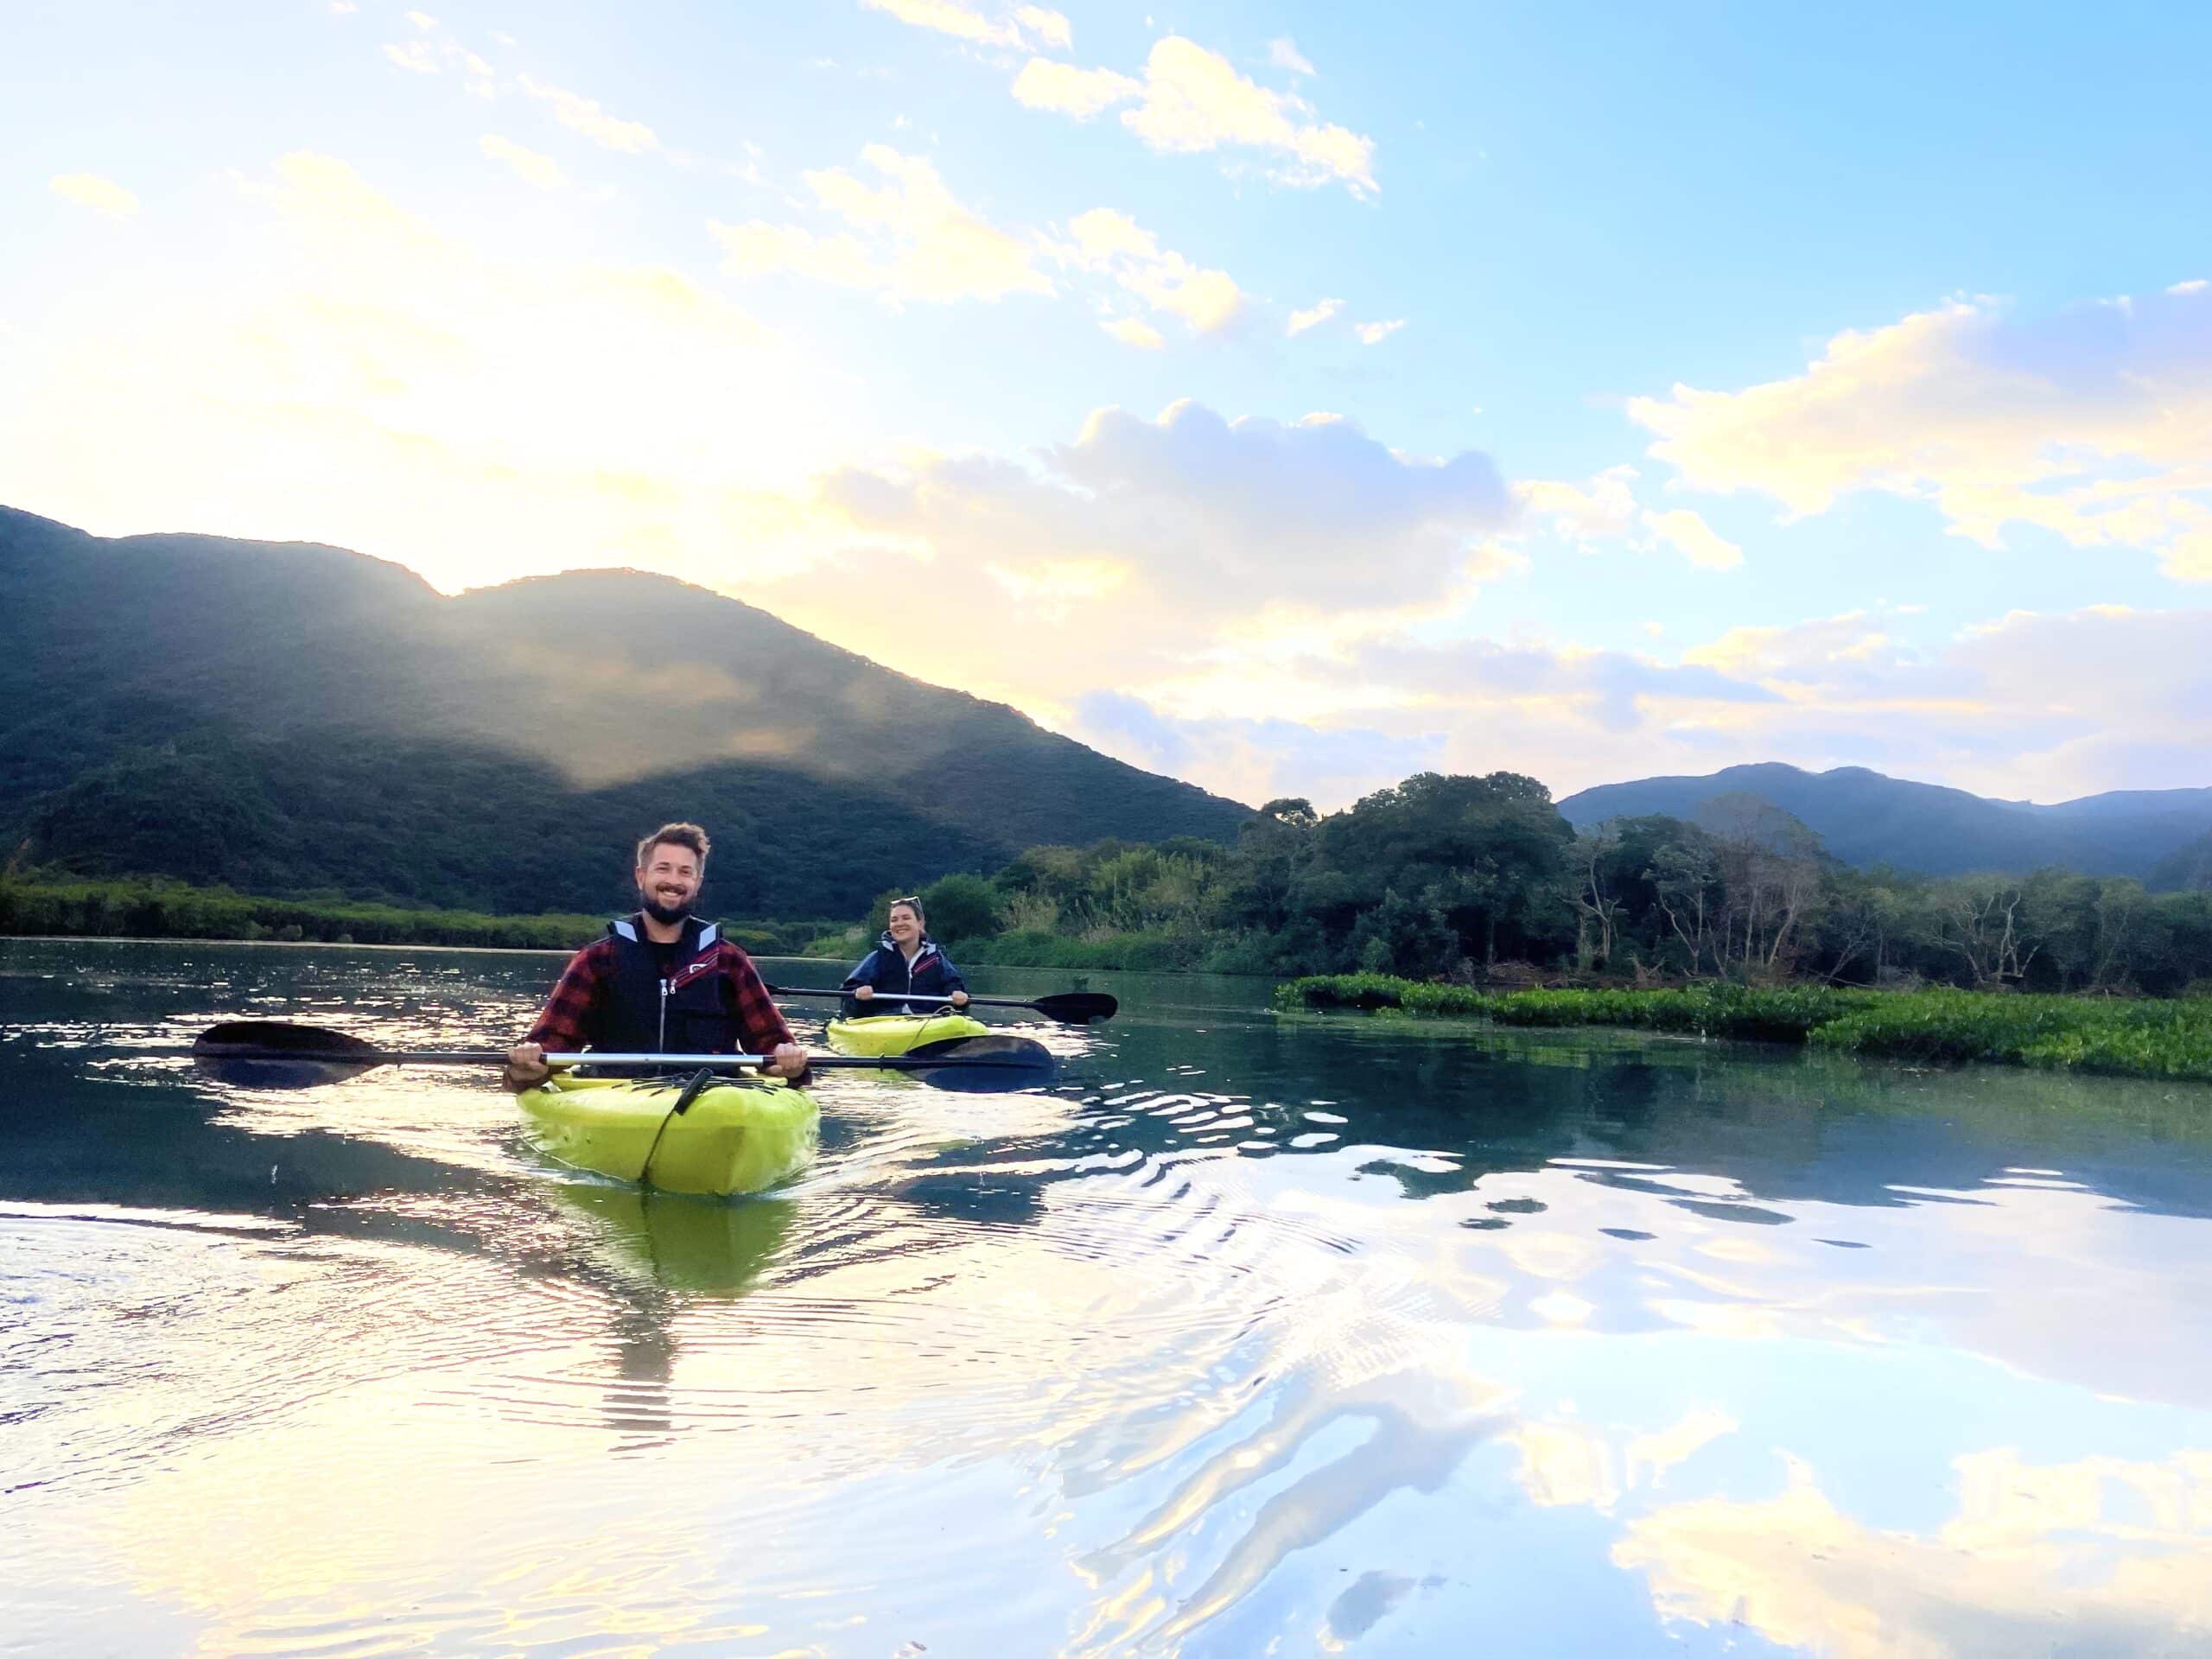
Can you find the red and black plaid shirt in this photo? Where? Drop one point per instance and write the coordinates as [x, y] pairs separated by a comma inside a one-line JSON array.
[[565, 1025]]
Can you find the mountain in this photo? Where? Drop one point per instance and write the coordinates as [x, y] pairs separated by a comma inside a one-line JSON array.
[[2186, 869], [296, 718], [1866, 818]]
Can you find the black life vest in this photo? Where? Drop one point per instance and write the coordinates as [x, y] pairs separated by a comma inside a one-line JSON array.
[[693, 1011], [886, 970]]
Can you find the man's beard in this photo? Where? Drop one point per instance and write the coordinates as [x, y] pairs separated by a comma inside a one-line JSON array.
[[663, 914]]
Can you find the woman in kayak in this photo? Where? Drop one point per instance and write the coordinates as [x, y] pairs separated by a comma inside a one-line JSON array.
[[906, 959]]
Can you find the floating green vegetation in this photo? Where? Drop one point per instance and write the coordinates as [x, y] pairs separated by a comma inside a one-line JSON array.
[[2138, 1038]]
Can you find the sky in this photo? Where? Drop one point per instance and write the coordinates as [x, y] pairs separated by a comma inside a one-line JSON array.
[[1288, 398]]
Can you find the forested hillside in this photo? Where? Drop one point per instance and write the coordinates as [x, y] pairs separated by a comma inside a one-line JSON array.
[[302, 719]]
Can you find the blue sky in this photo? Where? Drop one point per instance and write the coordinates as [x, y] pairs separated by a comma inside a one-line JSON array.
[[1283, 397]]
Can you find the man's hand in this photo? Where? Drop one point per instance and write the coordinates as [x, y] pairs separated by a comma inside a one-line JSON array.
[[960, 999], [861, 993], [788, 1061], [526, 1067]]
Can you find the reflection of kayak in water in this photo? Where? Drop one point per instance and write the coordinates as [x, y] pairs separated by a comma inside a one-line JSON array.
[[894, 1034], [735, 1136], [698, 1245]]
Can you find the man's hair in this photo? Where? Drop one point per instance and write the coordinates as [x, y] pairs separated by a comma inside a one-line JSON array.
[[911, 903], [674, 835]]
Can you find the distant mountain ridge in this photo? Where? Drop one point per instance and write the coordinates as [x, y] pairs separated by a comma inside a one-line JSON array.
[[1866, 818], [296, 717]]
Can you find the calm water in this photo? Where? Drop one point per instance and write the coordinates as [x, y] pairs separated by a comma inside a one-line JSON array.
[[1254, 1335]]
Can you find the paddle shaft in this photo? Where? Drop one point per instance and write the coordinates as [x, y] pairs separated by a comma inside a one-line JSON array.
[[1104, 1005], [498, 1057]]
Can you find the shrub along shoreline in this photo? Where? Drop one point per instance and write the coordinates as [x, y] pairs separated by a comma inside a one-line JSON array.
[[2134, 1038], [155, 908]]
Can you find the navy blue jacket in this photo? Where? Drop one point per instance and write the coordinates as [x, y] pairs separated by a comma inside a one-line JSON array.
[[886, 969]]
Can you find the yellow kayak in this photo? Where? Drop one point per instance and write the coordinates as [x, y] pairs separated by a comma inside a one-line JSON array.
[[894, 1034], [737, 1136]]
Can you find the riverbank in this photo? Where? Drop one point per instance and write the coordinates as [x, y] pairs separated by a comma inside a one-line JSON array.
[[2136, 1038], [154, 909], [1131, 952]]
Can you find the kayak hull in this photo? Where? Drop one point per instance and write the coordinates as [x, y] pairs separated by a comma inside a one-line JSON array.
[[742, 1135], [894, 1034]]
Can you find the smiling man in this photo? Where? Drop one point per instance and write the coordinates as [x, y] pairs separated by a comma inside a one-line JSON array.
[[661, 980]]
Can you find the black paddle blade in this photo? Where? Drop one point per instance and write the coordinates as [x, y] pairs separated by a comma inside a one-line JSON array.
[[1078, 1007], [271, 1054], [983, 1065]]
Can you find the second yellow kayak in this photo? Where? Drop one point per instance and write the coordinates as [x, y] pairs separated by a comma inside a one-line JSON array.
[[894, 1034]]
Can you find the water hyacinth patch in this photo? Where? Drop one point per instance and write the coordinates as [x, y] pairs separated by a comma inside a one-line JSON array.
[[2143, 1037]]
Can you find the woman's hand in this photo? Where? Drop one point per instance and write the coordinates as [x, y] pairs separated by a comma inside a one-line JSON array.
[[861, 993], [960, 999], [788, 1061]]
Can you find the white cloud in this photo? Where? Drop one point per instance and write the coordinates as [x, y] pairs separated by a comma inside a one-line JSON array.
[[1601, 511], [1101, 235], [1103, 240], [1284, 55], [1314, 316], [2093, 425], [342, 8], [1065, 90], [415, 57], [534, 168], [1051, 27], [1195, 101], [1604, 510], [1192, 100], [909, 239], [583, 115], [1373, 333], [1696, 540], [1135, 331], [102, 196], [1275, 510], [1818, 653], [947, 18], [1024, 26], [439, 53]]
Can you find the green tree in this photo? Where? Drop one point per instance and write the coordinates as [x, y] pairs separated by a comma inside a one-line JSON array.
[[1488, 856], [960, 907]]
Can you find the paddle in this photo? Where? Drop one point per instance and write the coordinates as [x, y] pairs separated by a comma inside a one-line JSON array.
[[1069, 1007], [274, 1054]]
